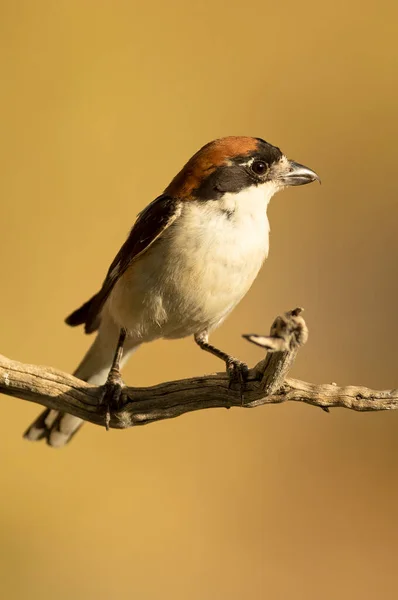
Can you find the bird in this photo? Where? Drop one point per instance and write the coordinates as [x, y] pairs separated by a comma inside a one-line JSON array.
[[189, 259]]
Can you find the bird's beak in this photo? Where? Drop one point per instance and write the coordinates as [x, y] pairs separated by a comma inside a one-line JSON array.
[[296, 174]]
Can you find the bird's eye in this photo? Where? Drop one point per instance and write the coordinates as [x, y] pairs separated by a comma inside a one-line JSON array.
[[259, 167]]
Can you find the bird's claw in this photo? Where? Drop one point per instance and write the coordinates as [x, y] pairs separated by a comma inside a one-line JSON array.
[[238, 372], [112, 395]]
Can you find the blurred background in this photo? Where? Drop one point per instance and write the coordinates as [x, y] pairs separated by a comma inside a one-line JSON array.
[[102, 103]]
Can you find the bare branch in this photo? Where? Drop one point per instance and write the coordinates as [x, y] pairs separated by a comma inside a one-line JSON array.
[[266, 384]]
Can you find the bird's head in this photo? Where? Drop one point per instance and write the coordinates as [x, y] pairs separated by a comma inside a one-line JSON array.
[[233, 164]]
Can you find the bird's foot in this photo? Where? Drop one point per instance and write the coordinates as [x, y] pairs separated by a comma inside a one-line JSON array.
[[112, 394], [238, 372]]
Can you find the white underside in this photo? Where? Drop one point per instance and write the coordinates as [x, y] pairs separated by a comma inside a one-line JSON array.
[[197, 271]]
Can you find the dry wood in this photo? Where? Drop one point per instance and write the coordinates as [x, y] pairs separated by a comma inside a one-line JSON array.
[[267, 384]]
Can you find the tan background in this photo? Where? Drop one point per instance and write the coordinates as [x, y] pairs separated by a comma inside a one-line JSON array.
[[101, 104]]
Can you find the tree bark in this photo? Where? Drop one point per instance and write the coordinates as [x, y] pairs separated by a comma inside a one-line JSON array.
[[267, 383]]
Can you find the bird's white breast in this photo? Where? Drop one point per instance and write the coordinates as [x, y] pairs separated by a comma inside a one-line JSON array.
[[198, 270]]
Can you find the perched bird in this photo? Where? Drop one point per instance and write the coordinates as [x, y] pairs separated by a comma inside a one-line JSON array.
[[191, 256]]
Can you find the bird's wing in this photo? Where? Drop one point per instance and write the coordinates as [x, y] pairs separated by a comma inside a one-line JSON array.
[[150, 225]]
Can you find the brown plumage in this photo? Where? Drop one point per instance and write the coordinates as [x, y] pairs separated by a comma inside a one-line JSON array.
[[206, 160]]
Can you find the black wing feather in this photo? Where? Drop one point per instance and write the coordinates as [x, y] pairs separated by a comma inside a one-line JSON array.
[[150, 225]]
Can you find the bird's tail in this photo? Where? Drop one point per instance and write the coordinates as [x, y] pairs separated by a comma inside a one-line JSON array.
[[58, 428]]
